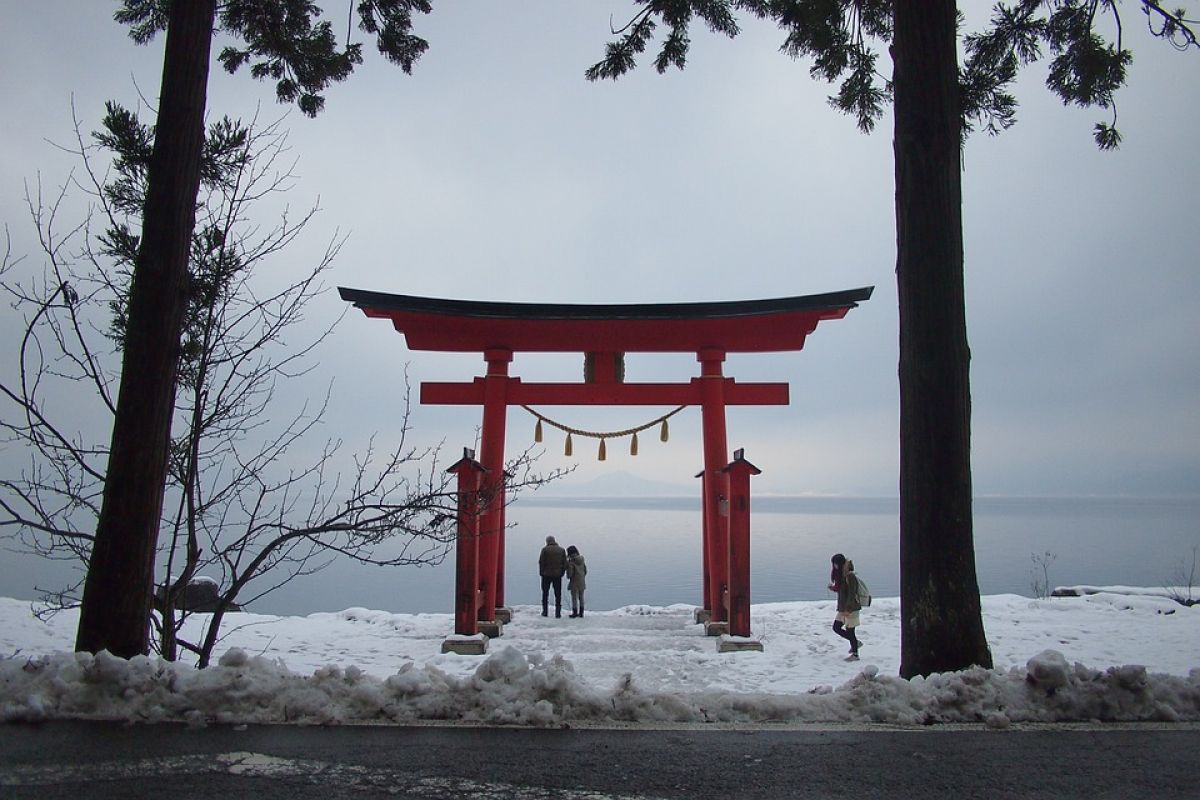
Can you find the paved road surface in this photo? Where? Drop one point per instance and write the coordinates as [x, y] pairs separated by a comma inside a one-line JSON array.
[[84, 760]]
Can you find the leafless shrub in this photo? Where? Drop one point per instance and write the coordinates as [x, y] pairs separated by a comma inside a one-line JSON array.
[[244, 506], [1039, 573], [1181, 588]]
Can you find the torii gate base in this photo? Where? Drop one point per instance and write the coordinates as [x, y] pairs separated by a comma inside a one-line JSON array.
[[468, 638], [472, 633], [604, 333], [732, 644], [736, 512]]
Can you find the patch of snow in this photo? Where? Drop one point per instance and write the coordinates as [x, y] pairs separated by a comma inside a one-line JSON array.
[[1108, 655]]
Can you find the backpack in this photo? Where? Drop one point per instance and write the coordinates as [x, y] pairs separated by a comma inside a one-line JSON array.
[[864, 592]]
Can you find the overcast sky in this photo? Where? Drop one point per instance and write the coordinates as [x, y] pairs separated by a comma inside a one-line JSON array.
[[496, 172]]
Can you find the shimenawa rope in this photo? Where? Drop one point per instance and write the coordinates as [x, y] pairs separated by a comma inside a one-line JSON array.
[[664, 433]]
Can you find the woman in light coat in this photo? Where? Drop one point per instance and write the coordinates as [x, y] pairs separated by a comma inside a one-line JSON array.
[[843, 581], [576, 579]]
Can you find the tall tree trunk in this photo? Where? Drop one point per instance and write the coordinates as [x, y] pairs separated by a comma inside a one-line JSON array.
[[941, 626], [120, 579]]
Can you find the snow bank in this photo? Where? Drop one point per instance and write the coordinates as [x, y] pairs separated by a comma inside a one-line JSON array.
[[509, 688], [638, 664]]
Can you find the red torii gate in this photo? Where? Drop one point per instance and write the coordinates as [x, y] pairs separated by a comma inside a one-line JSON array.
[[604, 333]]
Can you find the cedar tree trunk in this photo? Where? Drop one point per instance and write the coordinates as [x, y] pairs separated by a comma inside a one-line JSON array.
[[116, 598], [941, 626]]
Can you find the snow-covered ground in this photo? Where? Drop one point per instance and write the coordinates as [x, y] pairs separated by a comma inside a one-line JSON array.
[[1124, 654]]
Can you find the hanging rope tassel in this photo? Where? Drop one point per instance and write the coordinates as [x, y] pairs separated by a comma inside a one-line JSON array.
[[664, 434]]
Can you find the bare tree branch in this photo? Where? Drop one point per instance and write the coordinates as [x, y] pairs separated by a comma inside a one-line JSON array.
[[244, 509]]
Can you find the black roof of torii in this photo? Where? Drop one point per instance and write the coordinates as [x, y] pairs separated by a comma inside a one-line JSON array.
[[769, 325]]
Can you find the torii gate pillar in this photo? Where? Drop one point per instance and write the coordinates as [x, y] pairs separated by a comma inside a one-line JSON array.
[[715, 484], [737, 515], [491, 523], [466, 598], [734, 509]]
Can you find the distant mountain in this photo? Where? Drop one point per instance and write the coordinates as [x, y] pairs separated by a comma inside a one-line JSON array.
[[617, 484]]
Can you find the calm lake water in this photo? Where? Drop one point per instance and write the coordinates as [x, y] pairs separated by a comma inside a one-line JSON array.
[[647, 550]]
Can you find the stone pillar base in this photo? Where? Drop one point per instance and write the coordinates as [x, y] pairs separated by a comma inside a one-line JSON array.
[[716, 628], [492, 629], [703, 615], [466, 646], [737, 644], [503, 615]]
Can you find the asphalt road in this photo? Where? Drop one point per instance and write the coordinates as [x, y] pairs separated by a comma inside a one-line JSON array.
[[79, 760]]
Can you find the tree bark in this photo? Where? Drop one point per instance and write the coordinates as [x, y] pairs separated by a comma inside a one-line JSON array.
[[117, 593], [941, 625]]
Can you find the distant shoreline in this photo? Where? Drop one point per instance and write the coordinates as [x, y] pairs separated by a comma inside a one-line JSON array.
[[774, 503]]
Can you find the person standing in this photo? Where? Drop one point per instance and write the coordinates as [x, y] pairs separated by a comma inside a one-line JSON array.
[[843, 581], [552, 563], [576, 579]]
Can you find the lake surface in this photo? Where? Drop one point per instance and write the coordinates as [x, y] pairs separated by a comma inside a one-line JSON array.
[[647, 550]]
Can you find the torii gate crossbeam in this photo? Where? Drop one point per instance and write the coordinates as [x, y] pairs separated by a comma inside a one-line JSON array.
[[606, 333]]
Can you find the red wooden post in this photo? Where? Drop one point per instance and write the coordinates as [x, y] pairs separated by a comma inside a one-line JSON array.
[[495, 414], [500, 548], [466, 579], [716, 482], [739, 472], [705, 590]]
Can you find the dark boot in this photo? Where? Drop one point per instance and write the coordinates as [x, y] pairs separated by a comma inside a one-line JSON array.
[[545, 610]]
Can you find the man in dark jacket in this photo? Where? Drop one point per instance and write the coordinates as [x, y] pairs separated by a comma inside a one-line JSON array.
[[552, 563]]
